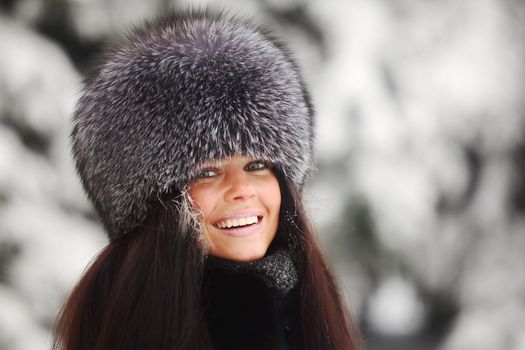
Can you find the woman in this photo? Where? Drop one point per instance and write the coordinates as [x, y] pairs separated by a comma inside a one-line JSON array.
[[193, 139]]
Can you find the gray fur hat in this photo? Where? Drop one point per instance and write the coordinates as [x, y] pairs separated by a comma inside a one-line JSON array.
[[181, 90]]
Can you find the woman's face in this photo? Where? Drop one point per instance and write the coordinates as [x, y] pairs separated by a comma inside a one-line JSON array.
[[239, 201]]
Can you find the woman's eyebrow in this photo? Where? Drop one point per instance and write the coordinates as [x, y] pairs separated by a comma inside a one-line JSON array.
[[211, 164]]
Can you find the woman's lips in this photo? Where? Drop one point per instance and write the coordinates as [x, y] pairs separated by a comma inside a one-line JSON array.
[[242, 231], [239, 214]]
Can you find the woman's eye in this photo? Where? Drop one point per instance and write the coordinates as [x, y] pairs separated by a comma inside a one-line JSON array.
[[256, 165], [206, 174]]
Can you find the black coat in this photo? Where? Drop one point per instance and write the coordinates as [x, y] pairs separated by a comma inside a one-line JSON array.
[[252, 306]]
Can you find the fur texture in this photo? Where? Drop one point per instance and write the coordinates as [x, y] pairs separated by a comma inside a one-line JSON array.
[[181, 90]]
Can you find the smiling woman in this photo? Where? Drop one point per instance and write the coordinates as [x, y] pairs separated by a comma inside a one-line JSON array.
[[238, 201], [193, 140]]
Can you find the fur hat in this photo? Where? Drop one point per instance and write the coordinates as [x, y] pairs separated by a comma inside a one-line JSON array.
[[181, 90]]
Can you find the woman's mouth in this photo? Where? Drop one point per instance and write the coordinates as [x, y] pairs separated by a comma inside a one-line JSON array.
[[238, 222], [240, 226]]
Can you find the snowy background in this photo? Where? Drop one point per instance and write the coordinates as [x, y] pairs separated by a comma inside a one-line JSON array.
[[419, 196]]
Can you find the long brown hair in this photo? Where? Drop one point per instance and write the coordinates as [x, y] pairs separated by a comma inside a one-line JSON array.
[[143, 291]]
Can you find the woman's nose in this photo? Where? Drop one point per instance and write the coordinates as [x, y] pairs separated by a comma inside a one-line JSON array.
[[239, 187]]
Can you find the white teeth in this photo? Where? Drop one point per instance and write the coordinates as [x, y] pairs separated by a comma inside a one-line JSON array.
[[238, 222]]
